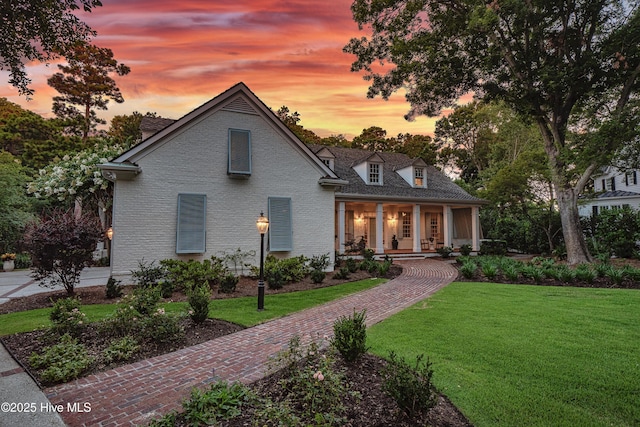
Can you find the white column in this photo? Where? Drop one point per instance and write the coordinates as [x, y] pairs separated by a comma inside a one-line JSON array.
[[416, 228], [379, 229], [475, 228], [447, 222], [341, 226]]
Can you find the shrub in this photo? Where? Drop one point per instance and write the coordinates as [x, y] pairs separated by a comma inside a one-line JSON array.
[[493, 247], [319, 262], [121, 350], [311, 383], [368, 254], [114, 288], [275, 278], [22, 261], [145, 300], [616, 275], [148, 275], [350, 336], [228, 283], [565, 274], [411, 388], [511, 272], [351, 264], [383, 268], [61, 246], [186, 274], [67, 317], [444, 251], [490, 271], [465, 250], [317, 276], [62, 362], [468, 269], [342, 274], [222, 401], [584, 273], [199, 302], [162, 328]]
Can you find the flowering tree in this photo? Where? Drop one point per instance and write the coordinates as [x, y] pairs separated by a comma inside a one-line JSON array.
[[77, 179], [61, 245]]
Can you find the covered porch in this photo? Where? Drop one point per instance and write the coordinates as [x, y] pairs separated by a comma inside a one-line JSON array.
[[405, 228]]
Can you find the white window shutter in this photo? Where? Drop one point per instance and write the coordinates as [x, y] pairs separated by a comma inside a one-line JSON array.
[[239, 152], [191, 229], [280, 224]]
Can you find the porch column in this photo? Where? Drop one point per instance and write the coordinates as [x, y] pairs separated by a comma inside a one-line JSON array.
[[447, 222], [379, 229], [416, 228], [475, 229], [341, 226]]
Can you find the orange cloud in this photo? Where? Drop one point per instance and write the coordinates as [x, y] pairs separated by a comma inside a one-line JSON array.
[[288, 52]]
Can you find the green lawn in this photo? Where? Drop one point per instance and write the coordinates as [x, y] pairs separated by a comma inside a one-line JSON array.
[[510, 355], [242, 311]]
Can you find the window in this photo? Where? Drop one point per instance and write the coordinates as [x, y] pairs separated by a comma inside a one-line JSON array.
[[328, 162], [609, 184], [374, 173], [434, 227], [631, 178], [191, 227], [239, 152], [280, 224], [406, 224], [418, 177]]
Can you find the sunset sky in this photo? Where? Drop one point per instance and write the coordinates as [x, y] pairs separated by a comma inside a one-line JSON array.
[[184, 53]]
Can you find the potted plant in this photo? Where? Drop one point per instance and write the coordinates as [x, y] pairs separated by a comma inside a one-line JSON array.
[[8, 261], [431, 244], [394, 242]]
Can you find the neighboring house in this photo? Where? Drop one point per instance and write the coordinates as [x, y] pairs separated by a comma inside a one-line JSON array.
[[196, 188], [150, 125], [612, 189]]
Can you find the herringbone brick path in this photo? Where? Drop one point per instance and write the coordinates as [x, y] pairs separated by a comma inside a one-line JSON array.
[[135, 393]]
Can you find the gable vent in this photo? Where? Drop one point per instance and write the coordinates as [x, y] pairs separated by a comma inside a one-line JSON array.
[[239, 105]]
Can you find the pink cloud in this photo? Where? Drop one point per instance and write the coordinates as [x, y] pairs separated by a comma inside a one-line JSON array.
[[288, 52]]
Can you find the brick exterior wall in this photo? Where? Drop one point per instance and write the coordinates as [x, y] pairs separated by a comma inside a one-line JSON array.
[[194, 160]]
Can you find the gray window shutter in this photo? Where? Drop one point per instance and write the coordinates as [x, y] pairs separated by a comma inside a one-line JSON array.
[[280, 225], [239, 152], [191, 229]]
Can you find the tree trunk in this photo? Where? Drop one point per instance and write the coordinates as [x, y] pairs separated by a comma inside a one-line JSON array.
[[577, 251]]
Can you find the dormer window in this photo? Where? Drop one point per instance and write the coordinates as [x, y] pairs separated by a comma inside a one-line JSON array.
[[418, 177], [375, 174], [328, 162]]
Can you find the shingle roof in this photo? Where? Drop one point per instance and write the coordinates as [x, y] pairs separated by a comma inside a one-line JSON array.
[[617, 193], [439, 186], [154, 124]]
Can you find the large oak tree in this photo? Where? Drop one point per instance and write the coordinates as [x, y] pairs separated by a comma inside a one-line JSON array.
[[571, 65]]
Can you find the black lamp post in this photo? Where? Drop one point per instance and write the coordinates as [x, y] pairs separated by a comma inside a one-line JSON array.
[[263, 225]]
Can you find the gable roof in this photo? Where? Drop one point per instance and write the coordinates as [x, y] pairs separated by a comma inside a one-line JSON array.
[[238, 98], [439, 187]]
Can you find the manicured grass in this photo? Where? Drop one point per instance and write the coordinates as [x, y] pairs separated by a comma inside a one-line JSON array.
[[242, 311], [510, 355]]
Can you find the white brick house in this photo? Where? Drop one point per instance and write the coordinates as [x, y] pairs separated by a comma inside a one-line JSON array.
[[197, 187]]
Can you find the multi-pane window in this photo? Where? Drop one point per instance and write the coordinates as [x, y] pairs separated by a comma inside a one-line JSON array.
[[609, 184], [406, 224], [418, 177], [434, 226], [374, 173]]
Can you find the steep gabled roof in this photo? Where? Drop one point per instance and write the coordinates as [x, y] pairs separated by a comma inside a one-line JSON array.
[[238, 98], [439, 187]]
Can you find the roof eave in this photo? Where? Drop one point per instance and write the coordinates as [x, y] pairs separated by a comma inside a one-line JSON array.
[[119, 171]]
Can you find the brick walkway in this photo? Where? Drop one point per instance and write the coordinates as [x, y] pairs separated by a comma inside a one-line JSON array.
[[136, 393]]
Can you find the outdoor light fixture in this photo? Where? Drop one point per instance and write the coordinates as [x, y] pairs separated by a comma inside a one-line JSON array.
[[109, 233], [262, 224]]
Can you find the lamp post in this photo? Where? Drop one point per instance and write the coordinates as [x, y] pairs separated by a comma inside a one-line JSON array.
[[263, 225]]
